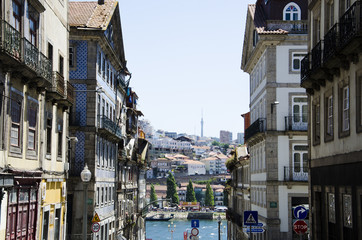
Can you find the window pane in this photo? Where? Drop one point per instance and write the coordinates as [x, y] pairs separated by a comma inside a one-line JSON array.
[[305, 162], [296, 162], [287, 16], [304, 113], [296, 64], [296, 114]]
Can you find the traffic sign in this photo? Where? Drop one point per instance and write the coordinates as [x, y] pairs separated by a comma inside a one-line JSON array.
[[96, 218], [254, 230], [194, 232], [195, 223], [95, 227], [300, 212], [250, 218], [300, 227]]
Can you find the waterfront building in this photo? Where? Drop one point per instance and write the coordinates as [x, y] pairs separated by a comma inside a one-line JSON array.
[[35, 100], [332, 76], [275, 41], [238, 189]]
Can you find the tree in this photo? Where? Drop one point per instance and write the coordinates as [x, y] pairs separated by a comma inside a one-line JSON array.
[[171, 192], [209, 196], [153, 196], [190, 193], [215, 143]]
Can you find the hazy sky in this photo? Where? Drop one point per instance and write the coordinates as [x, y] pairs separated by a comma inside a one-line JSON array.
[[185, 57]]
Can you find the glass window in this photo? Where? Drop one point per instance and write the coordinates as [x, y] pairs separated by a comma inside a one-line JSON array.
[[345, 117], [16, 100], [347, 210], [292, 12], [17, 15], [71, 57], [296, 60], [330, 115], [32, 31], [49, 135], [331, 208], [32, 116], [45, 225], [57, 224]]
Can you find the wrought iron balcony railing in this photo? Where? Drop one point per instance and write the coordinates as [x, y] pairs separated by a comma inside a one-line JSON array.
[[330, 43], [351, 23], [69, 92], [31, 55], [296, 123], [258, 126], [10, 40], [105, 123], [234, 217], [297, 174], [58, 83], [305, 68], [317, 56], [293, 27]]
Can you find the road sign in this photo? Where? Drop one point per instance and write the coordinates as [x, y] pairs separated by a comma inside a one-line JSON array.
[[300, 212], [195, 223], [300, 227], [96, 218], [194, 232], [254, 230], [185, 235], [250, 218], [95, 227]]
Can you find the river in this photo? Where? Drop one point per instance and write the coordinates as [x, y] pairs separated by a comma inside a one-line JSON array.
[[208, 230]]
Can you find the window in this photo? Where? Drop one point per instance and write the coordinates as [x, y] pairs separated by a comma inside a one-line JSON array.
[[300, 113], [32, 30], [17, 15], [45, 225], [99, 62], [255, 37], [50, 52], [103, 67], [32, 117], [296, 59], [49, 135], [331, 208], [61, 65], [16, 99], [60, 137], [345, 105], [317, 123], [347, 210], [291, 12], [328, 115], [71, 57], [107, 72], [300, 163], [57, 224]]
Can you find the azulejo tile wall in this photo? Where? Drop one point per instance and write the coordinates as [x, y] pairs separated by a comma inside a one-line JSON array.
[[79, 152], [81, 103], [81, 51]]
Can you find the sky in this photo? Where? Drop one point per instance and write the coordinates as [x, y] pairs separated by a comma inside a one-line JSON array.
[[185, 58]]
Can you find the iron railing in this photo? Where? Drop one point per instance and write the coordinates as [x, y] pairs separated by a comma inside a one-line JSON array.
[[105, 123], [296, 123], [350, 23], [10, 40], [31, 55], [69, 92], [330, 43], [234, 217], [45, 67], [293, 27], [297, 174], [58, 83], [305, 68], [317, 56], [258, 126]]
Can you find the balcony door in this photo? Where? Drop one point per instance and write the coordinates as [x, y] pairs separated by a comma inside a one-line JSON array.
[[300, 163], [300, 113]]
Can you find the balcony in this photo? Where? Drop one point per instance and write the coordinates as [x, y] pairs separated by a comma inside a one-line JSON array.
[[296, 174], [258, 126], [293, 27], [296, 123], [69, 92], [57, 88], [107, 126], [340, 46], [233, 216], [18, 51]]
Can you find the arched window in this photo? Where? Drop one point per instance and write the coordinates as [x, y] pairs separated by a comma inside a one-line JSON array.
[[291, 12]]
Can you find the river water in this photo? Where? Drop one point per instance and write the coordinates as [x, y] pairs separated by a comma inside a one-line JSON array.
[[208, 230]]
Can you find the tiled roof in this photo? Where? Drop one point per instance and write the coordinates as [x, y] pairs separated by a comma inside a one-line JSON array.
[[90, 14]]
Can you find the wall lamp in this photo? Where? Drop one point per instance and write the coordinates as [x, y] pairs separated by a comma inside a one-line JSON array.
[[273, 104], [98, 90]]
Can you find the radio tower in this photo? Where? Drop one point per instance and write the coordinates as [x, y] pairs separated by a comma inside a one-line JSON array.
[[202, 124]]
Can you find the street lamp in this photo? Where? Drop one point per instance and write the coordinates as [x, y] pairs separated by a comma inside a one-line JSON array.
[[85, 175], [171, 228], [219, 224]]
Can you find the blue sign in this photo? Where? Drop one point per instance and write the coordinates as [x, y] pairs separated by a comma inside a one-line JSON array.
[[195, 223], [250, 218], [300, 212], [254, 230]]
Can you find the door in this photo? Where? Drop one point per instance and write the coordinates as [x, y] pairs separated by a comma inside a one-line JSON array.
[[300, 113], [300, 163]]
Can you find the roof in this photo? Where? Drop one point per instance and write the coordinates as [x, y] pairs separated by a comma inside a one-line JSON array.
[[193, 162], [209, 159], [91, 15]]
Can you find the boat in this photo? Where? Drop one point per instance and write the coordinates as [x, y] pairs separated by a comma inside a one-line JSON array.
[[160, 217]]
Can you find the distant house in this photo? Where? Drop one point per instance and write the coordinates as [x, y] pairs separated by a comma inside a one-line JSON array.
[[195, 167]]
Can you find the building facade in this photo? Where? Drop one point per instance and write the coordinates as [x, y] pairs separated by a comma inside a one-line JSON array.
[[332, 76], [275, 41], [226, 136], [35, 100]]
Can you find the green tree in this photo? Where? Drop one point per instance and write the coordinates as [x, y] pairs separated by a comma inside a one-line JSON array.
[[209, 196], [190, 193], [226, 198], [215, 143], [171, 192], [153, 196]]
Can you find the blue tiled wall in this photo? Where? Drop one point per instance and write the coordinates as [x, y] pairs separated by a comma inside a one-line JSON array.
[[81, 103], [81, 60], [79, 151]]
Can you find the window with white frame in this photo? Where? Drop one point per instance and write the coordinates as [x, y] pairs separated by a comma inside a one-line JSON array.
[[300, 159], [345, 106], [329, 116], [32, 120], [16, 100], [291, 12], [296, 60]]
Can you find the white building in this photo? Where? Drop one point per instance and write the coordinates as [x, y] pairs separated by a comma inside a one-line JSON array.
[[274, 43], [195, 167]]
